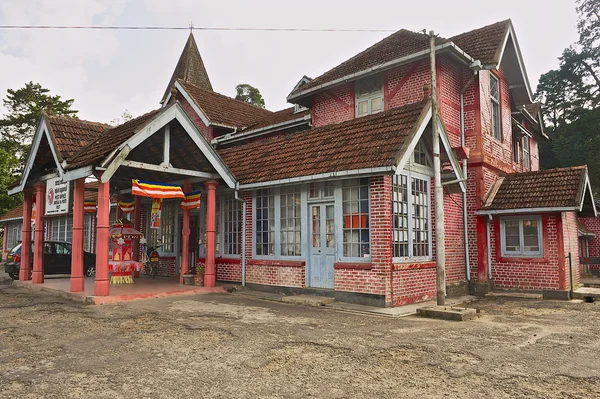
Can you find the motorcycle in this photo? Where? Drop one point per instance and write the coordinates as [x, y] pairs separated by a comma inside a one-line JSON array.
[[151, 261]]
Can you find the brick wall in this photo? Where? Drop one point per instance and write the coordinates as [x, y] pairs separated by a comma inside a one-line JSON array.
[[454, 238], [227, 269], [593, 224], [530, 273], [206, 130], [333, 106], [414, 282], [404, 85], [571, 243], [276, 272]]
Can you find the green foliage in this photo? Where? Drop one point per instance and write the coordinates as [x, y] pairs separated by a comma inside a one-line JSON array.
[[250, 95], [125, 117], [7, 163], [571, 99], [24, 107]]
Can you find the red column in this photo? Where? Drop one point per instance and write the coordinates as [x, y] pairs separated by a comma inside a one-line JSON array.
[[211, 213], [101, 282], [185, 237], [38, 250], [26, 236], [137, 224], [77, 283]]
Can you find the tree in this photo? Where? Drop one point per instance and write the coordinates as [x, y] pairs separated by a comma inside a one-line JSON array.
[[8, 160], [125, 117], [24, 107], [250, 95]]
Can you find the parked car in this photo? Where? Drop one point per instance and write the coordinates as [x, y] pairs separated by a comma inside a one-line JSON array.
[[57, 260]]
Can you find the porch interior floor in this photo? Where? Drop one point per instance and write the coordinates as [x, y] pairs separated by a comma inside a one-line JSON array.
[[142, 288]]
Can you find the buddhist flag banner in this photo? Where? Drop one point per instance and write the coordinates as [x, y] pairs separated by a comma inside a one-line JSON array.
[[156, 190], [191, 201], [89, 206], [155, 213], [127, 207]]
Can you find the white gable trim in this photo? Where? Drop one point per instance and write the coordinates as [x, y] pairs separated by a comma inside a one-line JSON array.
[[587, 187], [41, 131], [413, 143], [458, 172], [511, 33], [172, 112]]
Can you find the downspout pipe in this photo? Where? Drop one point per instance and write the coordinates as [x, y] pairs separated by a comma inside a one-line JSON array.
[[465, 174], [237, 197]]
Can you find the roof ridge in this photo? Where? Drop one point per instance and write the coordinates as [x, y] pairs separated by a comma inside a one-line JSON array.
[[504, 21], [562, 169], [73, 118]]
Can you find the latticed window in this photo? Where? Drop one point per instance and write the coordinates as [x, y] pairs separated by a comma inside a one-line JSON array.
[[369, 96], [495, 100], [13, 235], [265, 223], [521, 237], [232, 225], [355, 211], [289, 203], [420, 156], [411, 227], [165, 235], [62, 229], [526, 159]]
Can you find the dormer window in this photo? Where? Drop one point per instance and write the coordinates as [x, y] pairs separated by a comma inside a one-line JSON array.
[[369, 96]]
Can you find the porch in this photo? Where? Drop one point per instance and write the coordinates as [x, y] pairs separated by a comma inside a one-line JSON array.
[[143, 288]]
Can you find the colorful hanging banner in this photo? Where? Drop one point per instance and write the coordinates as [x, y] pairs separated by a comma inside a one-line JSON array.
[[155, 213], [156, 190], [127, 207], [89, 206], [191, 201]]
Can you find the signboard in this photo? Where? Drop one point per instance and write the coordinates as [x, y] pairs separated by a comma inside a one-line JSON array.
[[57, 197]]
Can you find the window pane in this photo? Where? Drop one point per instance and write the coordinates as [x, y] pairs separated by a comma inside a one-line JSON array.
[[355, 210], [265, 223], [530, 236], [420, 217], [290, 204], [363, 108], [232, 225], [316, 226], [511, 236], [376, 105], [400, 216]]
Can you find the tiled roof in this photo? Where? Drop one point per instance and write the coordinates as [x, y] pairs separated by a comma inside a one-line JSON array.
[[72, 134], [223, 110], [552, 188], [397, 45], [483, 44], [190, 68], [109, 140], [278, 117], [368, 142]]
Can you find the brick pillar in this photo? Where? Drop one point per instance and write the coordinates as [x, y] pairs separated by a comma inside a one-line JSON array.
[[185, 237], [38, 250], [380, 192], [101, 283], [77, 283], [24, 272], [211, 213]]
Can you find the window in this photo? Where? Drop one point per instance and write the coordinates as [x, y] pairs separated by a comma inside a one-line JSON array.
[[495, 99], [289, 202], [13, 235], [355, 212], [421, 154], [322, 190], [232, 225], [87, 233], [516, 150], [62, 229], [265, 222], [165, 235], [526, 159], [369, 96], [411, 228], [521, 237]]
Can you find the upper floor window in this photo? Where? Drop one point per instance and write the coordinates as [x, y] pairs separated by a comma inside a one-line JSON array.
[[369, 96], [526, 160], [495, 99]]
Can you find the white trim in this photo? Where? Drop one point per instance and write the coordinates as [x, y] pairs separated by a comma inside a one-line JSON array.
[[458, 172], [511, 32], [231, 137], [168, 169], [167, 146], [521, 253], [398, 61], [191, 101], [321, 176], [527, 210], [413, 143], [587, 186]]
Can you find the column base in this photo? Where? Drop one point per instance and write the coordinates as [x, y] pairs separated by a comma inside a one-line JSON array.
[[210, 280], [101, 287], [77, 284], [24, 274], [37, 277]]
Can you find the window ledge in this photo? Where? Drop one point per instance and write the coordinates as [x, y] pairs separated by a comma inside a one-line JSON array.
[[276, 262], [415, 265], [352, 266], [522, 259]]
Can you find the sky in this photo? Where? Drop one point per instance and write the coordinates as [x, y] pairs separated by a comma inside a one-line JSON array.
[[108, 72]]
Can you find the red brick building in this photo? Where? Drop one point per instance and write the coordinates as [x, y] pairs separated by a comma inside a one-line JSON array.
[[335, 195]]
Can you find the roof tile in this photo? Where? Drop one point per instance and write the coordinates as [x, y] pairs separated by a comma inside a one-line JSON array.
[[72, 134]]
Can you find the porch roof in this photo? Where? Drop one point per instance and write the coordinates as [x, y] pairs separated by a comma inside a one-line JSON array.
[[368, 142], [561, 189], [71, 134]]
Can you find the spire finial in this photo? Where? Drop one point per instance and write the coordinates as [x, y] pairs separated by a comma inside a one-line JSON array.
[[191, 26]]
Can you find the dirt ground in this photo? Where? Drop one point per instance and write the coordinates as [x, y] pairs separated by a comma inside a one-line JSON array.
[[231, 346]]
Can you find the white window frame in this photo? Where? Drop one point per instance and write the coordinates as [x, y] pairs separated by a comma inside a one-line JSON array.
[[221, 230], [369, 97], [526, 153], [340, 237], [522, 253], [276, 192], [14, 235], [495, 104], [164, 215], [409, 174]]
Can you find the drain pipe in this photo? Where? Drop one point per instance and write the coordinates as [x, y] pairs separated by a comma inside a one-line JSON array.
[[465, 174], [237, 185]]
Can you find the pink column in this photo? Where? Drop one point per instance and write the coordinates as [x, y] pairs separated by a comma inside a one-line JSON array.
[[185, 237], [77, 283], [26, 236], [137, 224], [101, 282], [38, 250], [211, 213]]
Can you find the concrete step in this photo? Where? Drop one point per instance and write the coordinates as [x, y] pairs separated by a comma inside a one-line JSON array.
[[586, 292], [447, 313], [308, 300], [514, 295]]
